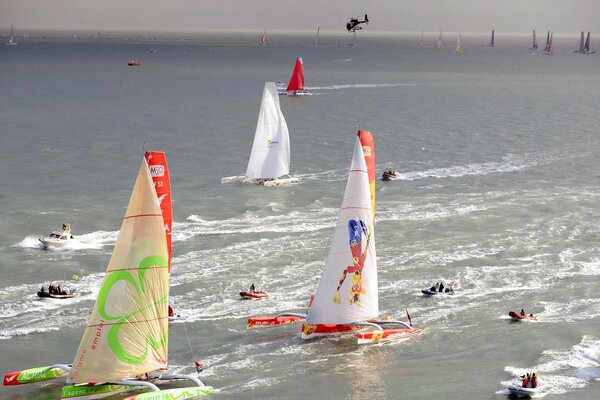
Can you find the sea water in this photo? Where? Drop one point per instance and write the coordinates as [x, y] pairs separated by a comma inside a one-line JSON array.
[[497, 154]]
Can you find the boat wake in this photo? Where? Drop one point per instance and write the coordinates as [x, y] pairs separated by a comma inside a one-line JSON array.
[[565, 370], [360, 86]]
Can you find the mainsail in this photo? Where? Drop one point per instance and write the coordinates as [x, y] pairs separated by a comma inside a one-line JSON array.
[[270, 155], [347, 291], [157, 162], [297, 78], [263, 38], [127, 332], [534, 45], [581, 45]]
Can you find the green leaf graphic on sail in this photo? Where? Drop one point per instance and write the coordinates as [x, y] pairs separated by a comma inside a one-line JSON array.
[[118, 321]]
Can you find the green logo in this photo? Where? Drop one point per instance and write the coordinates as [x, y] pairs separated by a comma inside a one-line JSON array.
[[139, 291]]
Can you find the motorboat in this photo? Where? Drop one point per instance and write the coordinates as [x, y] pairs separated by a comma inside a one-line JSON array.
[[58, 239]]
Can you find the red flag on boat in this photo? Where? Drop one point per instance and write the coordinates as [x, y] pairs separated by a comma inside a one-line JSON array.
[[409, 318], [199, 366], [297, 78]]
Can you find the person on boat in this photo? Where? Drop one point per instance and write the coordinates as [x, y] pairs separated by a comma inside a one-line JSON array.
[[171, 311], [531, 315], [433, 289], [522, 312], [51, 289], [437, 286], [526, 380], [441, 287], [43, 290], [533, 381]]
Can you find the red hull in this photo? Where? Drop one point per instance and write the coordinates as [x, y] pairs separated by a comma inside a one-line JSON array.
[[519, 317], [253, 295], [387, 335], [260, 322], [316, 330]]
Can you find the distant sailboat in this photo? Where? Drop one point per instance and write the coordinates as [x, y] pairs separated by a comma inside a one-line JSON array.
[[458, 48], [549, 49], [269, 162], [421, 45], [586, 47], [11, 41], [263, 38], [492, 40], [439, 42], [295, 86], [534, 45], [581, 46], [547, 42], [317, 36]]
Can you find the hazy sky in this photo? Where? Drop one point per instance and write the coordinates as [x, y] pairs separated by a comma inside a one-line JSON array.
[[564, 16]]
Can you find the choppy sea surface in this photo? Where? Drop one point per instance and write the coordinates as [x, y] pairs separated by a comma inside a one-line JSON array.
[[497, 153]]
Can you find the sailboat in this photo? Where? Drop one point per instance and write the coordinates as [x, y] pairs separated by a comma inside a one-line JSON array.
[[317, 36], [581, 45], [492, 40], [458, 48], [548, 50], [547, 42], [346, 299], [125, 343], [269, 162], [534, 45], [295, 86], [11, 41], [421, 45], [263, 38], [586, 47], [439, 42]]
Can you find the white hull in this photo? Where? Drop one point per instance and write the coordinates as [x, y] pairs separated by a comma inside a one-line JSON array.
[[55, 243], [297, 93], [523, 392], [261, 181]]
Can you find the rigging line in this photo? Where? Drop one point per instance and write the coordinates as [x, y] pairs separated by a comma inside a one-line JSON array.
[[186, 334]]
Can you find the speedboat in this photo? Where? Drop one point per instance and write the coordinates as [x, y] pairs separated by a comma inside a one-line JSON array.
[[134, 63], [389, 174], [58, 239]]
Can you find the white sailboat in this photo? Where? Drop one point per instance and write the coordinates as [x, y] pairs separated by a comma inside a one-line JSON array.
[[125, 343], [534, 45], [581, 45], [439, 42], [11, 41], [269, 162], [586, 46], [317, 36], [458, 48], [492, 40], [347, 298], [421, 45]]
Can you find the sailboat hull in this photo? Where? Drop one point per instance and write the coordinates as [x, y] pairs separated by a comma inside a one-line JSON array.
[[263, 322], [31, 375], [90, 392], [171, 394], [311, 331], [387, 335]]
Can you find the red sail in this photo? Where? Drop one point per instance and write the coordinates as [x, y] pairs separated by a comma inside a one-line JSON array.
[[368, 145], [157, 162], [297, 79]]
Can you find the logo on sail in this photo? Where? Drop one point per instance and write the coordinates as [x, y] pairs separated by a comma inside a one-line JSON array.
[[157, 170], [357, 230], [271, 142]]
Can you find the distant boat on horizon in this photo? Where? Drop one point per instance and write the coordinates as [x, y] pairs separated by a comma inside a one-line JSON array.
[[458, 48], [263, 38], [586, 47], [492, 40], [317, 36], [581, 46], [534, 45], [134, 63], [439, 42], [421, 45], [548, 50], [11, 41]]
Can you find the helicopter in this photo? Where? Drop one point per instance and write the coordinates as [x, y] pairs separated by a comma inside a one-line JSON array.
[[354, 24]]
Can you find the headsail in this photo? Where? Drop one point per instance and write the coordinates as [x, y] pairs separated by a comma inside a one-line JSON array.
[[297, 78], [126, 334], [586, 47], [157, 162], [347, 291], [581, 45], [270, 156]]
